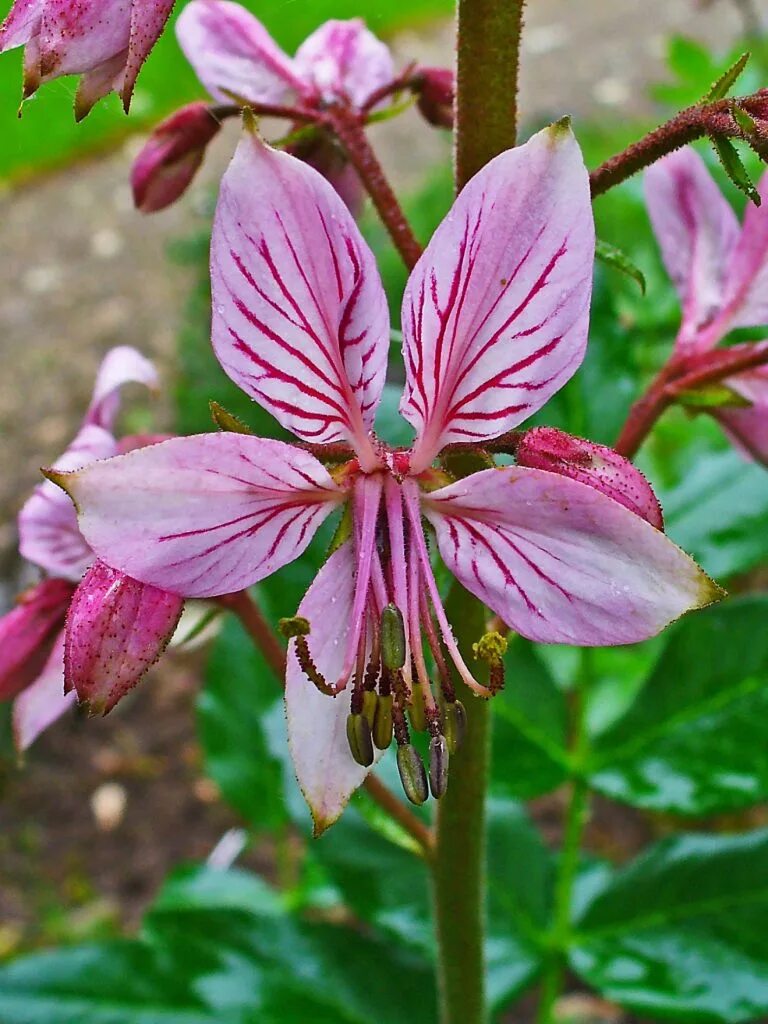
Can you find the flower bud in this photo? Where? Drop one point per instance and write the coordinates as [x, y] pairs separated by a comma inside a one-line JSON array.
[[170, 159], [436, 96], [359, 739], [438, 766], [594, 464], [412, 774]]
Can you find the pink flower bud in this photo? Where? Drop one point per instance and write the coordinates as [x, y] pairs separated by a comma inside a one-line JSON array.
[[436, 96], [28, 633], [594, 464], [116, 629], [170, 159]]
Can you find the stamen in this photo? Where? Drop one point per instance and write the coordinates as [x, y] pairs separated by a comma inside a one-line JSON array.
[[438, 766], [454, 724], [383, 725], [393, 500], [412, 774], [428, 627], [310, 669], [392, 638], [359, 739], [410, 490]]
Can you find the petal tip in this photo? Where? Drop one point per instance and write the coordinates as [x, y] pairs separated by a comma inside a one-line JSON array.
[[560, 130]]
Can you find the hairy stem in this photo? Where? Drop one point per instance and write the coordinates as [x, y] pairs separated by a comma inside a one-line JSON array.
[[459, 859], [349, 129], [258, 629], [575, 822]]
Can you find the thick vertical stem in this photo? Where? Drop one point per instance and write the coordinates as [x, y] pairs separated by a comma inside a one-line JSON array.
[[459, 858], [488, 57]]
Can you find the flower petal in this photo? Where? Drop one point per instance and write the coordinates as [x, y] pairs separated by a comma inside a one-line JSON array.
[[21, 24], [49, 534], [121, 365], [593, 464], [300, 319], [80, 37], [42, 703], [233, 54], [202, 516], [116, 629], [148, 18], [344, 61], [697, 231], [746, 289], [317, 736], [561, 562], [748, 428], [27, 633], [496, 312]]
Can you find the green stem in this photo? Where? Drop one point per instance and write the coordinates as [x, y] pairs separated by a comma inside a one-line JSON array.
[[488, 58], [575, 822], [459, 859]]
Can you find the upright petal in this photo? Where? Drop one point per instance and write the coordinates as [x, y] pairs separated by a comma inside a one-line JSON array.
[[116, 629], [95, 84], [746, 288], [496, 311], [233, 54], [317, 736], [79, 35], [21, 25], [344, 61], [42, 703], [48, 532], [205, 515], [748, 427], [300, 319], [27, 633], [148, 18], [593, 464], [697, 231], [121, 365], [561, 562]]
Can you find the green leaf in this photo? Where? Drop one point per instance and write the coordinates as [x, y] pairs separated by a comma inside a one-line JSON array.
[[734, 168], [616, 258], [529, 717], [694, 740], [680, 932], [747, 123], [722, 86]]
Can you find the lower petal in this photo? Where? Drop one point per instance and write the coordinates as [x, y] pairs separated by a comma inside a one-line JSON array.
[[748, 427], [28, 632], [326, 771], [42, 703], [561, 562]]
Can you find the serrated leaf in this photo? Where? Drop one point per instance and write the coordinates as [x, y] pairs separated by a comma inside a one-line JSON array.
[[694, 740], [722, 86], [616, 258], [744, 120], [734, 168], [680, 932], [226, 420]]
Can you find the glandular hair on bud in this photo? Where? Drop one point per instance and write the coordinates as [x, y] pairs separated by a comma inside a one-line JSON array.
[[412, 774], [438, 766], [454, 724], [392, 638], [360, 740], [383, 723], [370, 703]]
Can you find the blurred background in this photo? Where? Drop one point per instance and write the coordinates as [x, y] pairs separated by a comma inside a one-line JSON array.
[[93, 821]]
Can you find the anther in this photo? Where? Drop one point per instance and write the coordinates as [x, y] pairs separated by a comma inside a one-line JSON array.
[[392, 638], [454, 724], [438, 765], [491, 649], [417, 708], [370, 705], [383, 724], [359, 739], [412, 774]]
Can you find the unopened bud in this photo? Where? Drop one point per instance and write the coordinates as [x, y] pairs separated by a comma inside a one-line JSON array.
[[359, 739], [454, 724], [436, 96], [417, 712], [412, 774], [438, 766], [383, 724], [392, 638], [370, 703], [170, 159]]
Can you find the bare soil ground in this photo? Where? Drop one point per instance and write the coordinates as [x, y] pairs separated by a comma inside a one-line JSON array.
[[83, 272]]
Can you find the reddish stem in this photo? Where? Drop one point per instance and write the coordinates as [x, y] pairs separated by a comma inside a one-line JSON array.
[[348, 126], [407, 79], [221, 111]]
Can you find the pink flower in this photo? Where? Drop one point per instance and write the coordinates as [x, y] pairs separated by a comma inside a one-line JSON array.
[[238, 62], [115, 626], [720, 270], [104, 41], [495, 319]]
